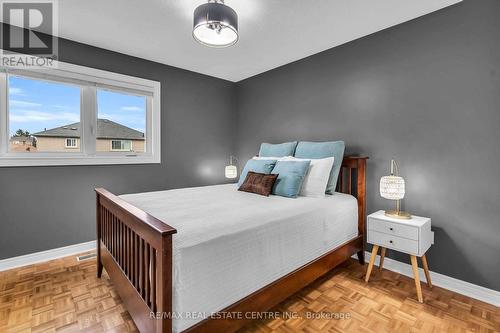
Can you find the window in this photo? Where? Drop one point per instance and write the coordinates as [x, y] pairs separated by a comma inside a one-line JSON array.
[[121, 121], [77, 115], [42, 113], [121, 145], [71, 143]]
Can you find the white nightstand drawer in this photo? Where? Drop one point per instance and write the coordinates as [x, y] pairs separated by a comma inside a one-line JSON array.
[[390, 228], [393, 242]]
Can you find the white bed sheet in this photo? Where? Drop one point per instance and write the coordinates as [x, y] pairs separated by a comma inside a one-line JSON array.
[[231, 243]]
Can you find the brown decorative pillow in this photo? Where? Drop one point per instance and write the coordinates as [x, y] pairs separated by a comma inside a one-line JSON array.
[[259, 183]]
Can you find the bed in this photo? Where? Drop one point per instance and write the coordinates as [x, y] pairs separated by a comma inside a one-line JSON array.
[[223, 251]]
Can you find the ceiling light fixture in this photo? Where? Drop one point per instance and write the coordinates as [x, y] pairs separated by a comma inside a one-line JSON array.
[[215, 24]]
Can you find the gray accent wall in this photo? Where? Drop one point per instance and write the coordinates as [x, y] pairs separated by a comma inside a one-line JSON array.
[[427, 93], [43, 208]]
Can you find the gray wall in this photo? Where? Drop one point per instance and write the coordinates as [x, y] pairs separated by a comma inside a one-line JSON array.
[[426, 92], [47, 207]]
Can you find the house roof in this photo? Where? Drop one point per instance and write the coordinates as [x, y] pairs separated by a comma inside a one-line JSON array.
[[106, 129]]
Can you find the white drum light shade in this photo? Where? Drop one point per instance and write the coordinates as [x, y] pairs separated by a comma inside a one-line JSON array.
[[215, 25], [231, 171], [392, 187]]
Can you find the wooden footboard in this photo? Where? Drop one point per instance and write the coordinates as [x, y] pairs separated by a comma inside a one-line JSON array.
[[136, 250]]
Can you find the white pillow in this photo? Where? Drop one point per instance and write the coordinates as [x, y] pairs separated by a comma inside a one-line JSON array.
[[317, 176]]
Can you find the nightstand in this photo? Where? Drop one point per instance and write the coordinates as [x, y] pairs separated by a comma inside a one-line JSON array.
[[413, 237]]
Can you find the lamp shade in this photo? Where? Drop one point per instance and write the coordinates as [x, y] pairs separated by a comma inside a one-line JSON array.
[[231, 171], [392, 187], [215, 25]]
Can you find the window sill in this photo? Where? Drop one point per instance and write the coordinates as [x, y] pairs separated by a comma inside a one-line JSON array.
[[29, 161]]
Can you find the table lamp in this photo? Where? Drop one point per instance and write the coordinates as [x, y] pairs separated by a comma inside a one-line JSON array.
[[231, 171], [393, 188]]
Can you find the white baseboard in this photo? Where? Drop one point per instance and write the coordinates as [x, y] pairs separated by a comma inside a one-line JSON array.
[[43, 256], [461, 287]]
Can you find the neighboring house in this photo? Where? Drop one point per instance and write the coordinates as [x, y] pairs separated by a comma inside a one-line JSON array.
[[111, 136], [21, 143]]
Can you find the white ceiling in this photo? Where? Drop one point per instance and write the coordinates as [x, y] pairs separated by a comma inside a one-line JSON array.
[[272, 32]]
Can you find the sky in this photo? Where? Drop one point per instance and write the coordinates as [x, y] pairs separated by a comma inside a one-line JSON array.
[[35, 105]]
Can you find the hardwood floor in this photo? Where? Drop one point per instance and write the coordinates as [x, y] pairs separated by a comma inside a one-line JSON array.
[[65, 296], [62, 295]]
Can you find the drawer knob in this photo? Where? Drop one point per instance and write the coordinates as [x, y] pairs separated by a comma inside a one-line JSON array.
[[391, 229], [390, 241]]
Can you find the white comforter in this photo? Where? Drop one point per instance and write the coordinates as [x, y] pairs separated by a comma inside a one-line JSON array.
[[231, 243]]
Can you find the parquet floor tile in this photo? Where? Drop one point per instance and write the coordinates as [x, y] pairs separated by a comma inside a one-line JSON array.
[[64, 295]]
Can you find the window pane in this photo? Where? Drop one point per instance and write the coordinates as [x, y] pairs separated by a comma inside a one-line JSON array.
[[42, 115], [127, 145], [121, 145], [71, 143], [121, 122], [116, 145]]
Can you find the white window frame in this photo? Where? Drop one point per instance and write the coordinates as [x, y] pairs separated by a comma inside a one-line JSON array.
[[89, 80], [121, 141], [70, 146]]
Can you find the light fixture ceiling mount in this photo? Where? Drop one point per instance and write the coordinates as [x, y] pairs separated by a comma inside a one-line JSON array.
[[215, 24]]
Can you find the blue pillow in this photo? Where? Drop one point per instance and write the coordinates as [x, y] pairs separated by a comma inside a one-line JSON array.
[[260, 166], [291, 175], [277, 150], [322, 150]]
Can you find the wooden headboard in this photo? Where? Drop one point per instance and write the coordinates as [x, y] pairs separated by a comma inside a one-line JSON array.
[[352, 180]]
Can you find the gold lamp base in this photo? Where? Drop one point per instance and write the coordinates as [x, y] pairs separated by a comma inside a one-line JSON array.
[[398, 214]]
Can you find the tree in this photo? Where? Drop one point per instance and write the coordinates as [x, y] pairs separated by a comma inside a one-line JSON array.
[[20, 132]]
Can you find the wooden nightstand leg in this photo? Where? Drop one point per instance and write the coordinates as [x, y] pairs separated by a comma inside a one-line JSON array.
[[372, 261], [382, 256], [414, 265], [426, 270]]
